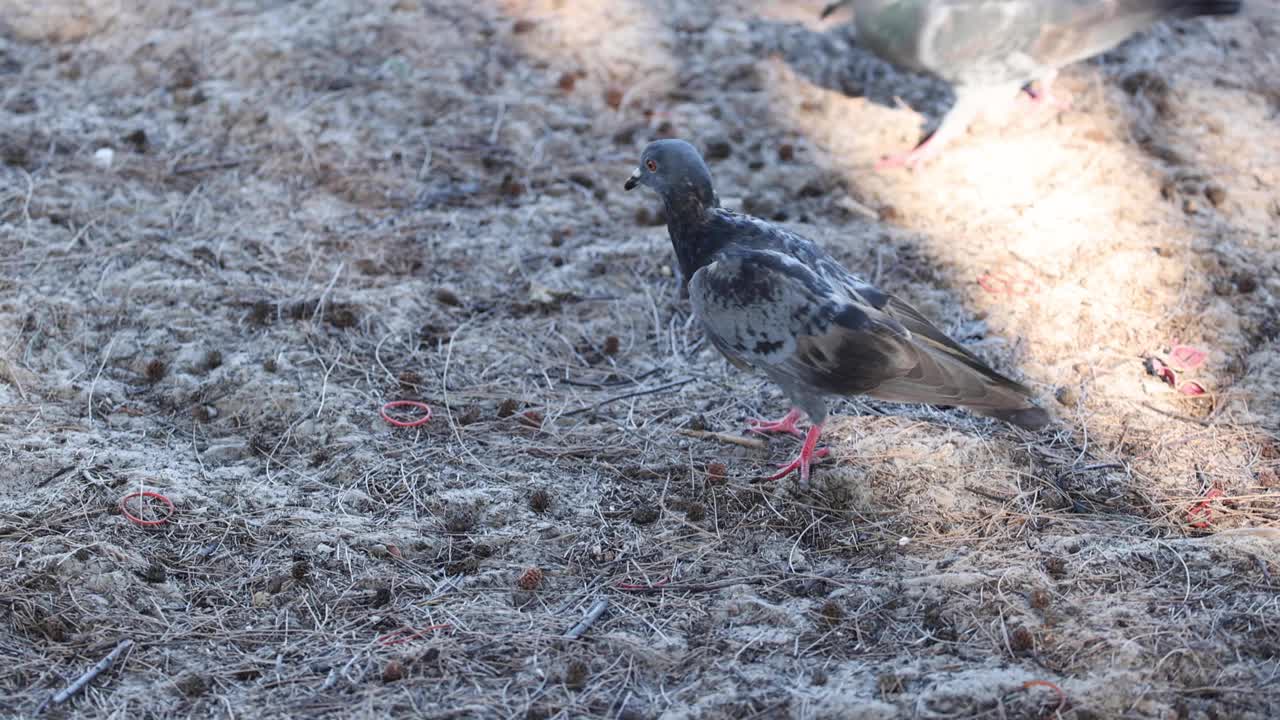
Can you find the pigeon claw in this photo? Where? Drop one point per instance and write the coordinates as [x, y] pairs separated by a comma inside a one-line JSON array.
[[785, 425], [808, 452], [910, 160], [802, 463]]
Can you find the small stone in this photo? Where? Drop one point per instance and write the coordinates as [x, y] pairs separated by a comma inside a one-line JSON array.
[[613, 97], [718, 149], [645, 514], [392, 671], [1216, 194], [1245, 282], [192, 685], [1067, 395], [831, 612], [261, 599], [277, 584], [138, 139], [156, 370], [448, 296], [508, 408], [540, 500], [458, 521], [511, 186], [576, 674], [104, 157]]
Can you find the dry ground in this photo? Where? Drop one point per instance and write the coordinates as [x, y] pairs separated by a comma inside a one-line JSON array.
[[231, 230]]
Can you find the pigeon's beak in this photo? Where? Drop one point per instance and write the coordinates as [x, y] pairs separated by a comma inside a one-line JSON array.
[[633, 181]]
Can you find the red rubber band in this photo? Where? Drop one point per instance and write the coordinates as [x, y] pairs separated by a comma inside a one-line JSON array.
[[406, 403], [1062, 696], [1003, 282], [124, 508], [1203, 508]]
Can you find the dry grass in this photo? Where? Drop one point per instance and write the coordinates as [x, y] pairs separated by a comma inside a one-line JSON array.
[[315, 208]]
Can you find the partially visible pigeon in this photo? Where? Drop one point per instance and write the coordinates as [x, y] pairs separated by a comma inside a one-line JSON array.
[[773, 301], [989, 49]]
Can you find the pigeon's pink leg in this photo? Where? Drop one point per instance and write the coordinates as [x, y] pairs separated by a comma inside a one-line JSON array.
[[808, 452], [785, 425], [969, 103]]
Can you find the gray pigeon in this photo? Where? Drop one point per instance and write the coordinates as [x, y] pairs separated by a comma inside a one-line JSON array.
[[773, 301], [989, 49]]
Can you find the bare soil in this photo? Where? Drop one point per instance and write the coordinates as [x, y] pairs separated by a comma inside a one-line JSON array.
[[231, 230]]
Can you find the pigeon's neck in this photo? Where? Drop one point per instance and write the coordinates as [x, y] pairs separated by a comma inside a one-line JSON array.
[[692, 237]]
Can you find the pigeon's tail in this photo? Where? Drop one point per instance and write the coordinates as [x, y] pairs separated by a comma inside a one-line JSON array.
[[947, 375], [1029, 418], [1195, 8]]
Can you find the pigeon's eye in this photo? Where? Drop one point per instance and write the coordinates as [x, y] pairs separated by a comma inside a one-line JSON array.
[[652, 165]]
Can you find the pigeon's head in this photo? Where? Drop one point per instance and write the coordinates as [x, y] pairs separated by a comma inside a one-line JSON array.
[[674, 170]]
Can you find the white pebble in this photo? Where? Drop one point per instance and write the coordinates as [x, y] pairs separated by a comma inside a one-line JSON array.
[[104, 157]]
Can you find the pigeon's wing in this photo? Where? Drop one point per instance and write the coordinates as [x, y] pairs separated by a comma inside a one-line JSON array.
[[992, 42], [766, 309], [1055, 33], [771, 311], [963, 41], [1077, 29]]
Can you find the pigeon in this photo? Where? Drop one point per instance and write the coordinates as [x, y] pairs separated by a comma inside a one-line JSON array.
[[773, 301], [989, 49]]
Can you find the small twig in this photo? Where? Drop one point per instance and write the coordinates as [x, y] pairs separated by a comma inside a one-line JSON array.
[[980, 492], [602, 385], [103, 665], [94, 385], [585, 623], [637, 393], [217, 165], [692, 587], [1173, 415], [726, 437]]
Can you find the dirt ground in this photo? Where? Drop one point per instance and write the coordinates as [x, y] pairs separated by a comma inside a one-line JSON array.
[[230, 230]]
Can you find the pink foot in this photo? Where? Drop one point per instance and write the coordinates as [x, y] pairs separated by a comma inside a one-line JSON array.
[[786, 425], [924, 152], [808, 452]]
